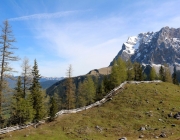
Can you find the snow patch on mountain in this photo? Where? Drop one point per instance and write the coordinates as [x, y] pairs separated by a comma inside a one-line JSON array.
[[43, 78], [133, 42], [130, 45]]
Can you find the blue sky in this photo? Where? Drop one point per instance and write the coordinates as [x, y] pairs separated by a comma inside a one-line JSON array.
[[85, 33]]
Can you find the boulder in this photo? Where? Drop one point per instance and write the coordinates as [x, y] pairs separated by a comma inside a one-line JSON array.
[[170, 114], [98, 128], [142, 129], [173, 125], [163, 135], [141, 136], [177, 116], [26, 135]]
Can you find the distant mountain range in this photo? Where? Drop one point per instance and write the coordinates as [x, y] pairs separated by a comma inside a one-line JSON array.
[[44, 81], [43, 78]]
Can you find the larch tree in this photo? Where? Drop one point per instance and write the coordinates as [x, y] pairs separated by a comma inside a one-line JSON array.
[[152, 75], [90, 90], [86, 92], [81, 94], [26, 76], [114, 76], [58, 100], [122, 70], [118, 73], [130, 70], [6, 55], [70, 89], [167, 75]]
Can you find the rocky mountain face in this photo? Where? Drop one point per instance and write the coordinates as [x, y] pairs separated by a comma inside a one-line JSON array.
[[153, 47]]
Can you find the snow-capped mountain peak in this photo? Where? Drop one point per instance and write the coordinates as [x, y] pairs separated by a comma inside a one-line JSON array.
[[133, 44], [153, 47]]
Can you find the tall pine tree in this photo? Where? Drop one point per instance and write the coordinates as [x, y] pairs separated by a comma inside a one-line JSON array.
[[37, 95], [16, 104], [22, 110], [100, 92], [53, 108], [162, 73], [174, 76], [106, 83], [138, 72]]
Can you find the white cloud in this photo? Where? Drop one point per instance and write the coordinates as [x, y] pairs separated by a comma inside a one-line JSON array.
[[43, 16], [83, 59], [85, 45]]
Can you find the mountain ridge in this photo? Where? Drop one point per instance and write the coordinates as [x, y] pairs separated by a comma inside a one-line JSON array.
[[153, 47]]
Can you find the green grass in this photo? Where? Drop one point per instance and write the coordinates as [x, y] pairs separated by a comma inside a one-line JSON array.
[[137, 106]]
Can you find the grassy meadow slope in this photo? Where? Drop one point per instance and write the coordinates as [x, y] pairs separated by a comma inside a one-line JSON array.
[[142, 105]]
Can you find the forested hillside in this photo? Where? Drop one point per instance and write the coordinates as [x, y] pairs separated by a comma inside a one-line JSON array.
[[140, 110]]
